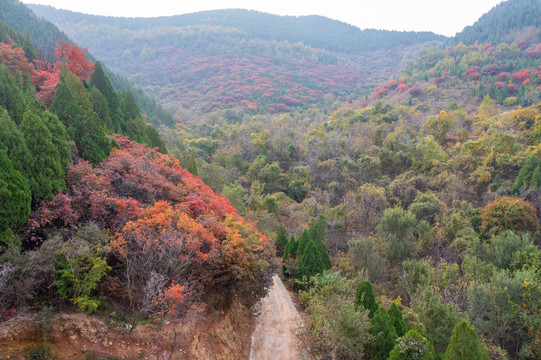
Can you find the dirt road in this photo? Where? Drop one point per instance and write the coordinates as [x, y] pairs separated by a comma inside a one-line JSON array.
[[273, 337]]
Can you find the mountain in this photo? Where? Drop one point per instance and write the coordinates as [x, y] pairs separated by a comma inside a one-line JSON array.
[[501, 21], [228, 59], [316, 31], [45, 35]]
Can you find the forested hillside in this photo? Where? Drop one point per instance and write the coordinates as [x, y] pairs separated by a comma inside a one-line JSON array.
[[94, 217], [243, 59], [401, 186]]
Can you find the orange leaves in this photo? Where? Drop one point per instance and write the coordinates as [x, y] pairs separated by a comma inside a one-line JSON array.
[[15, 59]]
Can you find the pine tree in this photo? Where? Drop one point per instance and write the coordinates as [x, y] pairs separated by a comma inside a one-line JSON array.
[[384, 336], [91, 141], [311, 263], [464, 344], [12, 140], [15, 195], [191, 164], [365, 297], [46, 177], [281, 241], [302, 242], [317, 234], [28, 48], [291, 249], [11, 96], [59, 138], [397, 320], [67, 110], [101, 108]]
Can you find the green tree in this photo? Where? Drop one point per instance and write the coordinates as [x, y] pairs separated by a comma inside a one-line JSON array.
[[311, 263], [281, 241], [317, 233], [397, 226], [529, 174], [191, 164], [291, 248], [302, 242], [66, 109], [365, 297], [15, 196], [28, 48], [102, 83], [12, 140], [59, 138], [91, 141], [46, 177], [413, 346], [425, 207], [11, 96], [465, 344], [397, 320], [383, 336], [101, 108]]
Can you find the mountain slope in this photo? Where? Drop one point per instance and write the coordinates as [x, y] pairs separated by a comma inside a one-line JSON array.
[[499, 22], [242, 59], [316, 31]]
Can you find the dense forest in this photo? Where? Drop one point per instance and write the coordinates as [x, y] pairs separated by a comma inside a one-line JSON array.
[[399, 199]]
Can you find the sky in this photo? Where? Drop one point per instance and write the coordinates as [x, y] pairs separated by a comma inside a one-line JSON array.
[[446, 17]]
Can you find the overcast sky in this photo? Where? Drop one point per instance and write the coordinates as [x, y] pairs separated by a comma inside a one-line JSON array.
[[445, 17]]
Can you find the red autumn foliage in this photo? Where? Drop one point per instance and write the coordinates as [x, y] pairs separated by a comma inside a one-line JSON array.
[[499, 84], [75, 58], [512, 88], [164, 221], [439, 80], [503, 76], [14, 59], [521, 75], [522, 44]]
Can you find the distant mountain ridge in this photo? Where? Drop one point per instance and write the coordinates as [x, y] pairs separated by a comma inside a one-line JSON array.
[[504, 18], [313, 30]]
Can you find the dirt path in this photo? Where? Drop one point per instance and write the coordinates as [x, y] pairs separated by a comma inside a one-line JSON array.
[[273, 337]]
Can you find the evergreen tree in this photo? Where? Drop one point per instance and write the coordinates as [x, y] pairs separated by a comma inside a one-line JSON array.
[[28, 48], [67, 110], [46, 177], [302, 242], [397, 320], [78, 90], [128, 106], [317, 234], [102, 83], [365, 297], [101, 108], [291, 249], [11, 96], [383, 336], [464, 344], [15, 195], [191, 164], [311, 263], [153, 139], [12, 140], [59, 138], [318, 230], [91, 141], [281, 241]]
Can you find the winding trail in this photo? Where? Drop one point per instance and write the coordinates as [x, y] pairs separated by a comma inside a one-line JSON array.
[[274, 337]]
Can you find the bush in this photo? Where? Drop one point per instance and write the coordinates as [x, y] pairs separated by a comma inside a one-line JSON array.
[[336, 329]]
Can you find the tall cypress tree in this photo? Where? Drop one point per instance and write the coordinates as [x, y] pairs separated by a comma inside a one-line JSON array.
[[464, 344], [11, 96], [383, 336], [91, 141], [46, 177], [15, 196], [12, 140], [302, 242], [365, 297], [317, 233], [311, 263], [59, 138], [65, 107], [281, 241], [397, 320]]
